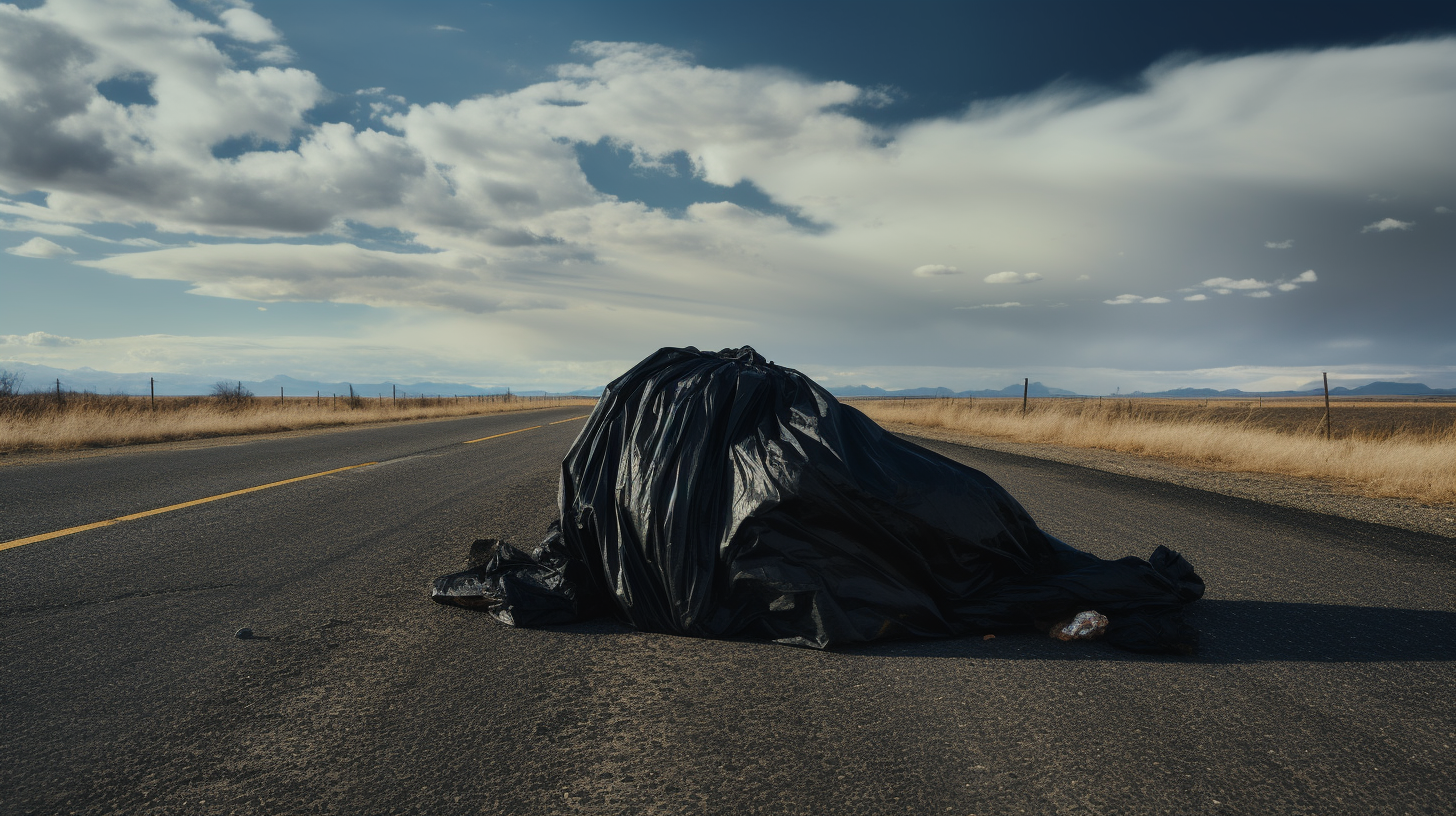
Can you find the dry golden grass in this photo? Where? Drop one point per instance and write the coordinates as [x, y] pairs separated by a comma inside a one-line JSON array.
[[1374, 452], [33, 422]]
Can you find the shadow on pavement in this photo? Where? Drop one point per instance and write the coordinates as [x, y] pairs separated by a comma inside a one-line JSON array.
[[1250, 631], [1232, 632], [1242, 632]]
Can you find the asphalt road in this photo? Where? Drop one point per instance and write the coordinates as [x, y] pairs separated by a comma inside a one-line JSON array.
[[1324, 685]]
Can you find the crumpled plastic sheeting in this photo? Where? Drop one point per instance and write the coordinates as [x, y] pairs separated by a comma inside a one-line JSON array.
[[720, 495]]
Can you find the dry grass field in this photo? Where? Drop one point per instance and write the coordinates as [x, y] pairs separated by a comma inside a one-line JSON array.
[[1353, 418], [1404, 449], [41, 422]]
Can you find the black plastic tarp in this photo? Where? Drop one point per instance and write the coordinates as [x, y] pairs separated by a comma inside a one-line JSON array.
[[720, 495]]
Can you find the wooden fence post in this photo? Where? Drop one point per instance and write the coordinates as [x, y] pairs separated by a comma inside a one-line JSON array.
[[1327, 406], [1025, 388]]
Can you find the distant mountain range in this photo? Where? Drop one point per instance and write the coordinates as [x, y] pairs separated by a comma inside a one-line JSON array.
[[42, 378], [1036, 389], [1375, 389]]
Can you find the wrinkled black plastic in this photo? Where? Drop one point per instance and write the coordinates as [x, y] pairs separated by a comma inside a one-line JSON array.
[[717, 495]]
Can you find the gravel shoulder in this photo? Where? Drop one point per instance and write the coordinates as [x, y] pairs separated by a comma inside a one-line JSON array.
[[1284, 491]]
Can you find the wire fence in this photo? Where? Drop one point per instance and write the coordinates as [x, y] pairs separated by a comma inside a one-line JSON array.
[[233, 396]]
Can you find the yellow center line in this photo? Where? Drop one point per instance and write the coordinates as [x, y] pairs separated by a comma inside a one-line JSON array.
[[573, 419], [498, 436], [84, 527]]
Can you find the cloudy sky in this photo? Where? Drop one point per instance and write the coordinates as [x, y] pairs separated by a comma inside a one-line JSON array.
[[1097, 195]]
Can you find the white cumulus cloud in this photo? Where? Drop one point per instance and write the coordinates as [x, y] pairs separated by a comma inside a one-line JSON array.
[[933, 270], [341, 272], [1013, 277], [1008, 305], [40, 338], [1123, 300], [1286, 244], [1307, 276], [1387, 224], [248, 25], [1230, 283], [1196, 297], [1254, 287], [38, 247], [45, 228]]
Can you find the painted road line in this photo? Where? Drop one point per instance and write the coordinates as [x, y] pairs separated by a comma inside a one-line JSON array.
[[573, 419], [498, 436], [84, 527]]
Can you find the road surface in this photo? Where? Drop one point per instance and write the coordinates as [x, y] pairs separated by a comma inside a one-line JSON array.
[[1324, 685]]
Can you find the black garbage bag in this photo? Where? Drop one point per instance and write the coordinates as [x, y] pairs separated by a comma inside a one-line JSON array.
[[720, 495]]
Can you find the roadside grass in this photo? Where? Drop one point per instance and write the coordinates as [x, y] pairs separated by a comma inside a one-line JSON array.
[[1372, 454], [40, 422]]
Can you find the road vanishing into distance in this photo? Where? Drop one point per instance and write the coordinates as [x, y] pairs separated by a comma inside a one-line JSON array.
[[1324, 686]]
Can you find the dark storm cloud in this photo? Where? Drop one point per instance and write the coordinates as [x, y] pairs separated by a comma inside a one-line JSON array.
[[41, 62]]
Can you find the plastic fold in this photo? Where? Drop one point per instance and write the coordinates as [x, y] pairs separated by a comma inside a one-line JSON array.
[[719, 495]]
